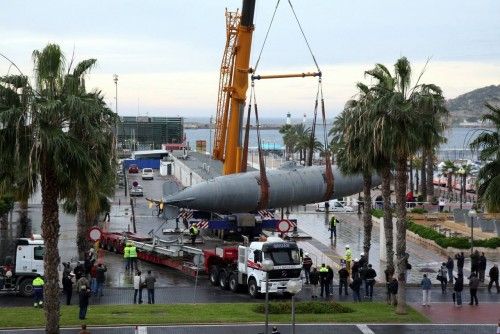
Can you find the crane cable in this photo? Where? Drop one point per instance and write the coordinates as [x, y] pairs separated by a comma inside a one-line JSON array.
[[267, 35], [328, 163]]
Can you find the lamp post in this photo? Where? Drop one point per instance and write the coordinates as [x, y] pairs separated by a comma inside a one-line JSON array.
[[472, 214], [461, 172], [267, 266], [293, 287]]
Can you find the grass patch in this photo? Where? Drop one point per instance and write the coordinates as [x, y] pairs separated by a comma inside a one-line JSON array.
[[210, 313], [318, 307]]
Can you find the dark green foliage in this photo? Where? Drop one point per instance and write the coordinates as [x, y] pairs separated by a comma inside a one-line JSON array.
[[455, 242], [418, 210], [304, 308], [6, 204], [377, 213]]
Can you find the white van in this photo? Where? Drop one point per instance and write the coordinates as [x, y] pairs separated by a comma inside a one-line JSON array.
[[334, 206], [147, 174]]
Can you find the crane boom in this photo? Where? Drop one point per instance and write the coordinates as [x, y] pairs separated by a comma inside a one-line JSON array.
[[232, 91]]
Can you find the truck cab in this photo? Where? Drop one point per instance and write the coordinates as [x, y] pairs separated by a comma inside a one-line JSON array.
[[17, 275]]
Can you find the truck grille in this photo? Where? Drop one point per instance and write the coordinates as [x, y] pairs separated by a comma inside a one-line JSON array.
[[284, 273]]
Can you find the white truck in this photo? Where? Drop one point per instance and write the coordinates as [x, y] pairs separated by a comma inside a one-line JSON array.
[[237, 268], [17, 274]]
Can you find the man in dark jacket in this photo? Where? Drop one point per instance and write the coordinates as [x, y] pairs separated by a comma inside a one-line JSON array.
[[100, 278], [355, 286], [393, 290], [370, 281], [306, 265], [458, 288], [474, 263], [482, 267], [84, 295], [68, 287], [314, 280], [493, 278], [355, 269], [150, 285], [330, 279], [473, 285], [449, 266], [343, 277], [460, 262]]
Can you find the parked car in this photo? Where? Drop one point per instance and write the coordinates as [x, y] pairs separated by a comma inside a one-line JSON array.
[[334, 206], [136, 190], [133, 169], [147, 174]]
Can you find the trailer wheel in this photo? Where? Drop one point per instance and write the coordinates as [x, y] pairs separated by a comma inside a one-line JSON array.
[[233, 283], [26, 287], [214, 275], [223, 279], [252, 288]]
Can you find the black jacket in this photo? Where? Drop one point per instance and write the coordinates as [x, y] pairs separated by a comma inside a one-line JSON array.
[[356, 284], [84, 297], [482, 263], [314, 277], [450, 264], [459, 285], [393, 287], [343, 273], [460, 261], [370, 273], [100, 276], [67, 283], [493, 273], [329, 276]]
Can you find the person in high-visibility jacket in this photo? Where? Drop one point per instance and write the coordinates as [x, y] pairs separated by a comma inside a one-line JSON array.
[[193, 232], [323, 280], [133, 257], [333, 227], [348, 258], [126, 256], [38, 291]]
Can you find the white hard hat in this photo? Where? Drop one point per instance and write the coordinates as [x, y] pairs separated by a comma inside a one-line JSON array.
[[346, 246], [362, 254], [306, 254], [356, 260]]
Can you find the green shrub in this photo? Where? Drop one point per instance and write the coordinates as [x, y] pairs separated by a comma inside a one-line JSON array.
[[377, 213], [455, 242], [418, 210], [6, 204], [304, 308]]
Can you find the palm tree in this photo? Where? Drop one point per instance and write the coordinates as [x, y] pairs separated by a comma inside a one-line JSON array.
[[302, 140], [488, 142], [449, 169], [289, 139]]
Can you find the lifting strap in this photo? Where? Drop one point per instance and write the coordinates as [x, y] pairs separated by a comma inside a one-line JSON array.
[[244, 156], [263, 182], [328, 163], [312, 138]]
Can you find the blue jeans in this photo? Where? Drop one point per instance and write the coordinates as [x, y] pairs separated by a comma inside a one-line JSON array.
[[356, 296], [369, 287], [306, 274], [99, 288], [93, 285], [151, 296], [137, 292], [38, 295], [458, 296], [83, 312]]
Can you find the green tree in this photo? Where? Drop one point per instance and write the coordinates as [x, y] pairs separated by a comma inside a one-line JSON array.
[[488, 142], [449, 169]]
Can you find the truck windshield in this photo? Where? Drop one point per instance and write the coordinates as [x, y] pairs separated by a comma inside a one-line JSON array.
[[281, 257]]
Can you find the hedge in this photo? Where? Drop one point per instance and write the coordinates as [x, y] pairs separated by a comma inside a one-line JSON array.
[[418, 210], [455, 242]]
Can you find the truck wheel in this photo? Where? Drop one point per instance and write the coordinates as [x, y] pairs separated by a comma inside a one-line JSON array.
[[214, 275], [223, 279], [26, 288], [252, 288], [233, 283]]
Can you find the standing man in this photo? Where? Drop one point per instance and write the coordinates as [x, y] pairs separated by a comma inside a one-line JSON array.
[[441, 203], [84, 301], [138, 283], [38, 291], [133, 257], [100, 278], [314, 280], [343, 278], [482, 267], [393, 290], [474, 263], [370, 281], [449, 266], [150, 285], [493, 278], [323, 279], [348, 258], [460, 263], [443, 277], [473, 285], [426, 285], [306, 265], [67, 283], [356, 286], [193, 233], [330, 279], [458, 288], [333, 227], [126, 256]]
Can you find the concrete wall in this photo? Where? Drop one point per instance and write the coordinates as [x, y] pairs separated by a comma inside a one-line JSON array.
[[184, 174]]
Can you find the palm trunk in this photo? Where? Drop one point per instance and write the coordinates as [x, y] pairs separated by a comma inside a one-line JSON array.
[[81, 227], [24, 221], [401, 179], [386, 194], [50, 233], [367, 213], [449, 176], [412, 184], [417, 181], [423, 179], [430, 174]]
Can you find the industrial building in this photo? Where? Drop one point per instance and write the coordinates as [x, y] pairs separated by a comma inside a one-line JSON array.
[[147, 133]]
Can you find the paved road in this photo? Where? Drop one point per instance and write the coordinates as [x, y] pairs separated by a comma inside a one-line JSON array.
[[284, 329]]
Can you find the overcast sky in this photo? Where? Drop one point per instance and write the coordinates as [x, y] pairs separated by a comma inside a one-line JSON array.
[[167, 53]]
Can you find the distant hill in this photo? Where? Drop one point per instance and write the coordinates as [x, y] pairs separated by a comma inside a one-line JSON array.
[[470, 106]]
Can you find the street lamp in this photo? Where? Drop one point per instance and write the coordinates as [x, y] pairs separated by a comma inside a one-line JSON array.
[[293, 287], [472, 214], [461, 172], [267, 266]]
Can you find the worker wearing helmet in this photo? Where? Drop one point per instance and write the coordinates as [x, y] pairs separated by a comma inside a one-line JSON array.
[[133, 257], [348, 258], [38, 291], [193, 233]]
